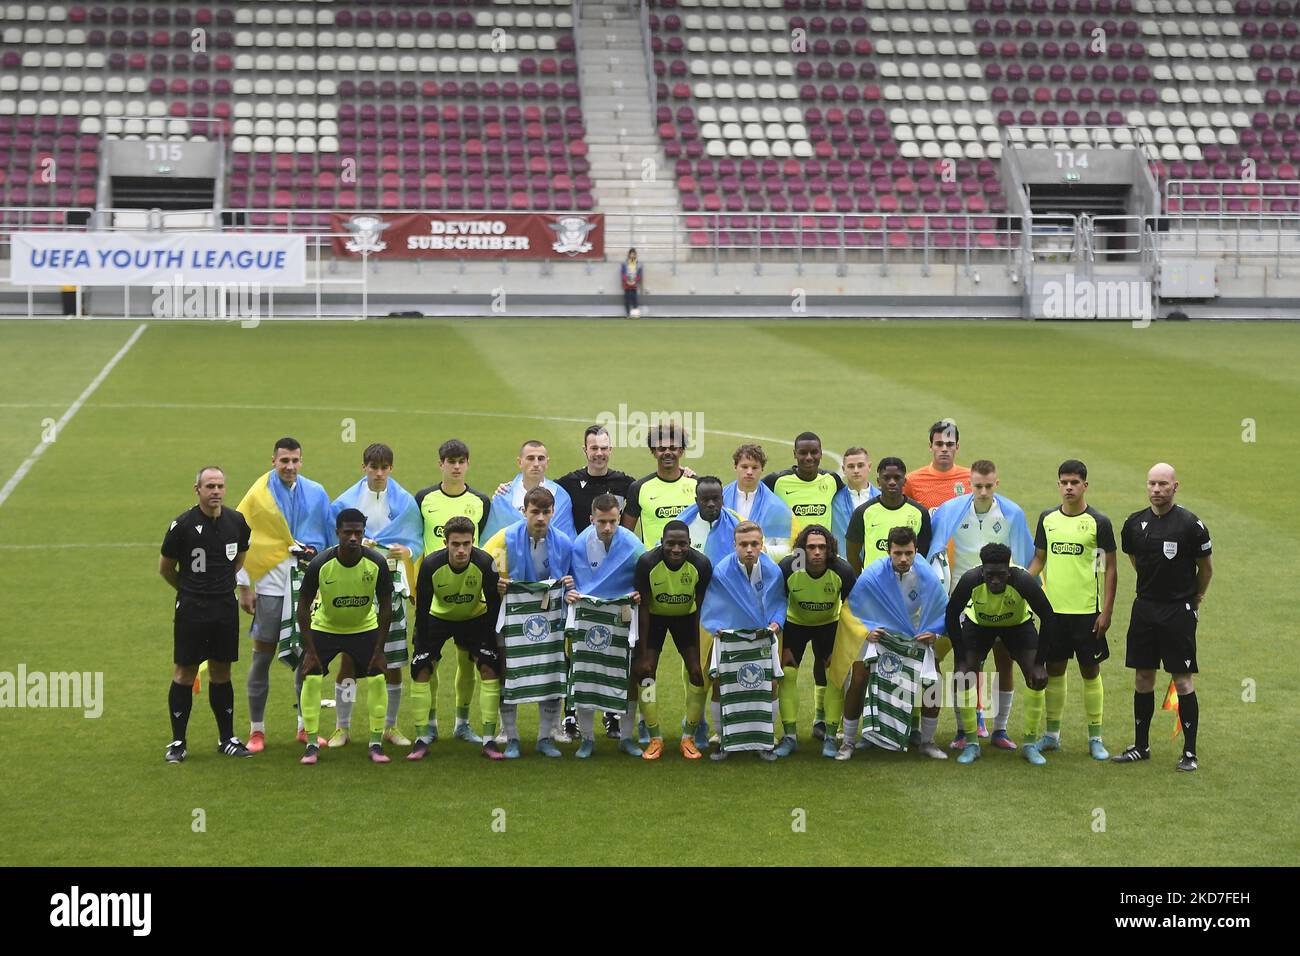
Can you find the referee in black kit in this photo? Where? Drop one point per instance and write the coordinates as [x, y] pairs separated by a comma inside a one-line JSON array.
[[586, 484], [1170, 550], [203, 550]]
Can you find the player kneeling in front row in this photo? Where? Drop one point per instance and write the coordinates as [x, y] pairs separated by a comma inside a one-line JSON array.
[[355, 607], [533, 560], [456, 596], [895, 614], [817, 581], [602, 624], [744, 611], [997, 599], [672, 580]]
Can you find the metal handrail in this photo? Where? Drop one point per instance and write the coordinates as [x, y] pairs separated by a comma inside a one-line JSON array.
[[652, 84]]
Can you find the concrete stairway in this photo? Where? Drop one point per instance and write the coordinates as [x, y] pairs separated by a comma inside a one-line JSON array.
[[633, 183]]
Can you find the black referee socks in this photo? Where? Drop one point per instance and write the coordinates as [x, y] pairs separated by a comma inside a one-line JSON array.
[[180, 699], [222, 699], [1144, 708], [1190, 710]]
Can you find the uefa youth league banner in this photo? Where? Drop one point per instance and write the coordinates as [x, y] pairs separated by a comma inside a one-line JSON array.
[[131, 258], [471, 235]]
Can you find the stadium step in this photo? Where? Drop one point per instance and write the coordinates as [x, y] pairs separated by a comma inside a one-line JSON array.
[[621, 133]]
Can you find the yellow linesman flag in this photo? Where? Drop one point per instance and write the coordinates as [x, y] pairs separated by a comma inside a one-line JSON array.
[[1171, 703]]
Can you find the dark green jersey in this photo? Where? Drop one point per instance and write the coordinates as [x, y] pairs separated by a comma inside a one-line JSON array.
[[437, 507], [813, 601], [672, 593], [657, 502], [348, 596], [870, 524], [1021, 595], [450, 595], [1075, 547], [809, 501]]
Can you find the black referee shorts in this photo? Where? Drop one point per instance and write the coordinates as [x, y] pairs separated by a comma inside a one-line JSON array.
[[684, 628], [796, 637], [1162, 632], [477, 635], [1070, 635], [360, 647], [975, 642], [205, 629]]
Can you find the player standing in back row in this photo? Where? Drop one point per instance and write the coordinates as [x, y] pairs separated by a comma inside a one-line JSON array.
[[1074, 550], [662, 496], [202, 569], [807, 488], [1170, 550]]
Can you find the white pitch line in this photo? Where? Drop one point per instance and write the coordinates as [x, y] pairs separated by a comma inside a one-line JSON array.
[[353, 409], [39, 450], [105, 544]]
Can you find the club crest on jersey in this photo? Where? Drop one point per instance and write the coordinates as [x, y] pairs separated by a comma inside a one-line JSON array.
[[997, 527], [598, 637], [686, 577], [889, 664], [232, 549], [1171, 549], [535, 628], [913, 594], [367, 576], [959, 488], [829, 588], [750, 676]]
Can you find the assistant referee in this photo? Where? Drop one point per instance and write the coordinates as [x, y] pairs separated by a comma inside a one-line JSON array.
[[202, 552], [1170, 550]]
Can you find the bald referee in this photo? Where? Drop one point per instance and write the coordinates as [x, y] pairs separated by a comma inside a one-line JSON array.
[[202, 568], [1170, 550]]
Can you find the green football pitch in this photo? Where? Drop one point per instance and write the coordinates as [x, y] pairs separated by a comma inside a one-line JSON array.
[[79, 537]]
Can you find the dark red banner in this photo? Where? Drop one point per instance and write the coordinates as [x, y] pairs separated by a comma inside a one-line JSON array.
[[471, 235]]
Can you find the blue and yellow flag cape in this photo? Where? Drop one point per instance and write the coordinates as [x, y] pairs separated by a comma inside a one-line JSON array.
[[278, 518], [405, 523], [512, 552], [946, 518], [769, 511], [732, 604], [504, 514], [842, 508], [876, 601], [614, 578], [722, 536]]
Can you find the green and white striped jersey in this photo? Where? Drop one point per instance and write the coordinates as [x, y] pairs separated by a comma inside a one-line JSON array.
[[893, 690], [744, 665], [601, 652], [531, 625]]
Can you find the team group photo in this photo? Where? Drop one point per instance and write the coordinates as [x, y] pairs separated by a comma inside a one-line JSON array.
[[581, 579], [605, 435]]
